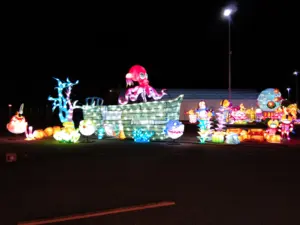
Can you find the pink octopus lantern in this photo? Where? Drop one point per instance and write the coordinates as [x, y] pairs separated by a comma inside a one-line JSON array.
[[139, 74]]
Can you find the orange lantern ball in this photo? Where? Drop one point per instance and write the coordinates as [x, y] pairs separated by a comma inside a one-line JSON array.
[[277, 99], [49, 131], [39, 134], [56, 129], [276, 91], [271, 105]]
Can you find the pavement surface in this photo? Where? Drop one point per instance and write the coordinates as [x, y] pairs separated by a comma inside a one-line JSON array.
[[211, 184]]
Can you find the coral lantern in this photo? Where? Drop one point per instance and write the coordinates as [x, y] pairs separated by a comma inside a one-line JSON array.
[[17, 124]]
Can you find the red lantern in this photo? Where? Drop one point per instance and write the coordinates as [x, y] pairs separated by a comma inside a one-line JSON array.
[[271, 105], [277, 99]]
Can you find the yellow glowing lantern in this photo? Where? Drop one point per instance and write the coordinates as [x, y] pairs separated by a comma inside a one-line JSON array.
[[39, 134], [49, 131], [68, 134], [56, 129], [218, 137]]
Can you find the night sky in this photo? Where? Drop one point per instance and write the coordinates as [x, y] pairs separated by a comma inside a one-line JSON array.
[[181, 46]]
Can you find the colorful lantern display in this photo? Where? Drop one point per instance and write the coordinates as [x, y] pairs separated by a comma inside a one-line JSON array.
[[242, 134], [232, 138], [111, 130], [17, 124], [141, 135], [225, 108], [174, 129], [292, 110], [49, 131], [87, 127], [149, 116], [286, 126], [64, 104], [121, 135], [29, 134], [238, 116], [192, 116], [205, 132], [268, 101], [218, 137], [139, 74], [39, 134], [259, 115], [221, 121], [202, 115], [68, 134], [256, 134], [270, 133], [101, 133]]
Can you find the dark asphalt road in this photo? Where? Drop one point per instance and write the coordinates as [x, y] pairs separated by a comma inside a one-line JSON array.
[[244, 184]]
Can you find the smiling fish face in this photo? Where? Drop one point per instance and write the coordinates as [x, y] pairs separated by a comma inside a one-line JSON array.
[[174, 129]]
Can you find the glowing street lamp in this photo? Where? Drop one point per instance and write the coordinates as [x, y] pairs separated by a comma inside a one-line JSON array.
[[227, 13], [9, 110], [288, 90], [296, 73]]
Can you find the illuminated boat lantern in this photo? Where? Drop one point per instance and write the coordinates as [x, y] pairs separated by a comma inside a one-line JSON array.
[[151, 116]]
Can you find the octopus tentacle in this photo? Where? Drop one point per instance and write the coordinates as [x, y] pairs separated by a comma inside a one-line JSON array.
[[131, 94], [155, 95]]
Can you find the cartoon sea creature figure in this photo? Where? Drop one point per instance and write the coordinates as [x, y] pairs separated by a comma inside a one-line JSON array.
[[87, 127], [174, 129], [286, 126], [139, 74], [17, 124], [226, 106], [202, 115], [270, 133]]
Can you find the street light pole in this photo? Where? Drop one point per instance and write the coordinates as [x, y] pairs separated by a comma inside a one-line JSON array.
[[288, 90], [296, 73], [227, 13], [229, 58]]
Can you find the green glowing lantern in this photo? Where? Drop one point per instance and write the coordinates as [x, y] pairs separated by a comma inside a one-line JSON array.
[[218, 137], [151, 116]]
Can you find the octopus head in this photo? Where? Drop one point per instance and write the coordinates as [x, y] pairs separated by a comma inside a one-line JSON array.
[[136, 73]]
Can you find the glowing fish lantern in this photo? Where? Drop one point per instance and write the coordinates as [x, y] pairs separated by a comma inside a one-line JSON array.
[[17, 124], [87, 127], [174, 129]]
